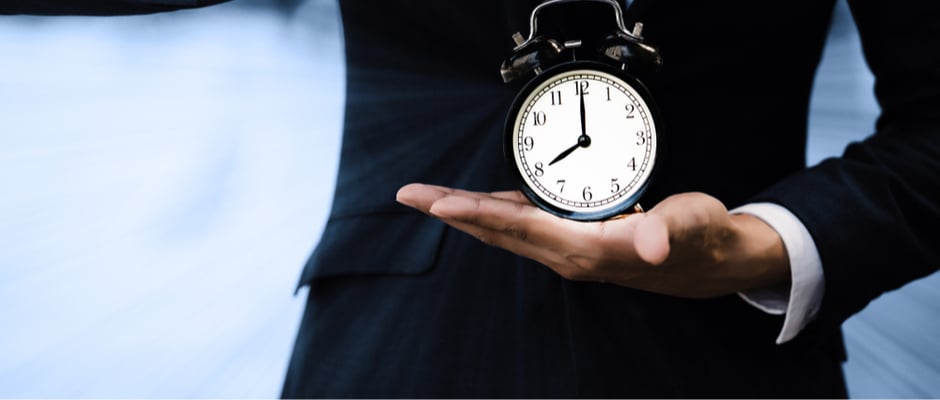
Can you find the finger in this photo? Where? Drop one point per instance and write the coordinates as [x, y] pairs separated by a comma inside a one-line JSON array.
[[513, 242], [511, 195], [407, 192], [537, 226], [515, 196], [477, 210], [420, 196], [509, 240]]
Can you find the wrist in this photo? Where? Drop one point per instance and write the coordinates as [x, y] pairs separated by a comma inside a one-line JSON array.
[[757, 257]]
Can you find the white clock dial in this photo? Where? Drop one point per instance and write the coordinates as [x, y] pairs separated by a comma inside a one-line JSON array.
[[584, 141]]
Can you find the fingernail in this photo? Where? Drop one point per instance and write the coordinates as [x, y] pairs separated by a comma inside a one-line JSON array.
[[402, 197]]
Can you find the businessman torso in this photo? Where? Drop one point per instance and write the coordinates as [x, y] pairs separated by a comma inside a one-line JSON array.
[[400, 305]]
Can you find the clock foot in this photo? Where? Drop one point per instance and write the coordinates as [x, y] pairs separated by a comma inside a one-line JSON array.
[[637, 209]]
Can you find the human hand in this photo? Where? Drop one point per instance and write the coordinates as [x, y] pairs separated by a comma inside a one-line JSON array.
[[687, 246]]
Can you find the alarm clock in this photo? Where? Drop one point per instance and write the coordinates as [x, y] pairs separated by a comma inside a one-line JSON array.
[[583, 135]]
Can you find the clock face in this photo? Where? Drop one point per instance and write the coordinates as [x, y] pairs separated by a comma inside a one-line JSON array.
[[584, 143]]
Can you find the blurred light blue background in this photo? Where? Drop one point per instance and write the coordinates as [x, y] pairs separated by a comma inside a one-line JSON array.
[[164, 177]]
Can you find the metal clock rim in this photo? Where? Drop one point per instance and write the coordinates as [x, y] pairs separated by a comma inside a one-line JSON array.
[[518, 103]]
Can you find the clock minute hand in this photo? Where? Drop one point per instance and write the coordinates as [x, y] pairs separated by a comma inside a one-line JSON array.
[[583, 141], [583, 124]]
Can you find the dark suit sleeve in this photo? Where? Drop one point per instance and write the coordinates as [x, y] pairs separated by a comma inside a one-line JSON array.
[[874, 212], [98, 7]]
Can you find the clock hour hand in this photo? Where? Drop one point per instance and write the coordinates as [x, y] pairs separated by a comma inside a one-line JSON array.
[[583, 141], [564, 154]]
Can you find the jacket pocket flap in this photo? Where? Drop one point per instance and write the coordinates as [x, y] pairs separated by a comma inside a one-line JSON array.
[[387, 243]]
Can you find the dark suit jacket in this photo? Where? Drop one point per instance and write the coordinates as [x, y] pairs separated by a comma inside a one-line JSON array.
[[399, 305]]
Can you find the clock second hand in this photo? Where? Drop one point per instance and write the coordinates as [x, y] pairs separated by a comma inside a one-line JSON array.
[[583, 141]]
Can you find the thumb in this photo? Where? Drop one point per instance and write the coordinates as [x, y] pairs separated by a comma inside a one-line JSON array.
[[677, 219], [651, 239]]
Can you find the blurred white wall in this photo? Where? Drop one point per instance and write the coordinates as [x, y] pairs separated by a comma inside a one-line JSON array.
[[162, 180]]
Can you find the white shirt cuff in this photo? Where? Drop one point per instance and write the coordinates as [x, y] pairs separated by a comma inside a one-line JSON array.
[[802, 301]]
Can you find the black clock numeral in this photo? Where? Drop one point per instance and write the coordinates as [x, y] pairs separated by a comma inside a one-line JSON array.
[[614, 186], [528, 143], [539, 118], [586, 193], [562, 183], [632, 163], [556, 97], [640, 138], [539, 169], [608, 95], [630, 109], [581, 87]]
